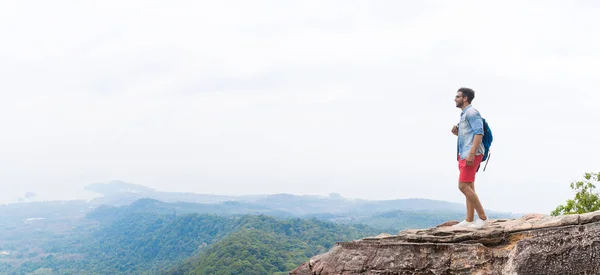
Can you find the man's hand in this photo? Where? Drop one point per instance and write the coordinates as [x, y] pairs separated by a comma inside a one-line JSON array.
[[455, 130], [470, 159]]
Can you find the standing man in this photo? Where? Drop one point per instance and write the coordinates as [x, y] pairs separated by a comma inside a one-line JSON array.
[[470, 154]]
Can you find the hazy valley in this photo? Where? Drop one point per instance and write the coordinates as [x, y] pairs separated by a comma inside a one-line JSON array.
[[132, 229]]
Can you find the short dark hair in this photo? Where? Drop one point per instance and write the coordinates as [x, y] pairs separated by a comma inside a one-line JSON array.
[[468, 93]]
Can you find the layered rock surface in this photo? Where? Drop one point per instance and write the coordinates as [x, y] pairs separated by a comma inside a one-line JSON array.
[[533, 244]]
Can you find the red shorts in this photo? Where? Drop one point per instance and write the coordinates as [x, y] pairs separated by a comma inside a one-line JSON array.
[[467, 173]]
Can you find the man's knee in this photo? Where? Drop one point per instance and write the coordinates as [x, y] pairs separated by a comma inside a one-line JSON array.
[[464, 186]]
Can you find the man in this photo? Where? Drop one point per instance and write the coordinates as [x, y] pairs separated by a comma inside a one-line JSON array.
[[470, 153]]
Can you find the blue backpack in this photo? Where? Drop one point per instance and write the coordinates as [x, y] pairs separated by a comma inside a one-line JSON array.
[[487, 142]]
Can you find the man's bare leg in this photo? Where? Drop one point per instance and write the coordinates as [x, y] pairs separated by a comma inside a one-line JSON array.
[[470, 209], [467, 188]]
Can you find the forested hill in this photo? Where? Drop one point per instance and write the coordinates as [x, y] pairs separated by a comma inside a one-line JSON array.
[[268, 246], [108, 214], [411, 213], [147, 243]]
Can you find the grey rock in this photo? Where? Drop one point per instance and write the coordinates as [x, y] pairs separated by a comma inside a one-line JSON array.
[[533, 244]]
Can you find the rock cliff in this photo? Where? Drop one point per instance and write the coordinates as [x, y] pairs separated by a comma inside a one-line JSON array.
[[534, 244]]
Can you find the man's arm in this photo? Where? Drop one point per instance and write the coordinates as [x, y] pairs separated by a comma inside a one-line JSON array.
[[476, 143], [476, 123]]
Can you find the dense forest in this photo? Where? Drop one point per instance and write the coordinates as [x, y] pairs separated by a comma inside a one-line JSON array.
[[147, 243]]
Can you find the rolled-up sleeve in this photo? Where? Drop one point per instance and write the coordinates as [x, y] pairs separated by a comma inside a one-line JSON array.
[[475, 121]]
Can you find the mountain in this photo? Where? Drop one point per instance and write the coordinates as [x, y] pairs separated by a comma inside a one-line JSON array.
[[117, 193], [269, 246], [147, 243], [108, 214], [122, 193], [133, 229]]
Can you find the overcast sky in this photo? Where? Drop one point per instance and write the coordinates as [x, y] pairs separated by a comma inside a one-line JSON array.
[[300, 97]]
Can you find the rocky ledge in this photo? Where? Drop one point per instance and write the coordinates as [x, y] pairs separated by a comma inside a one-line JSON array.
[[534, 244]]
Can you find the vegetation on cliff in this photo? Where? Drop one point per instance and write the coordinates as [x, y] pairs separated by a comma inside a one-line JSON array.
[[587, 198]]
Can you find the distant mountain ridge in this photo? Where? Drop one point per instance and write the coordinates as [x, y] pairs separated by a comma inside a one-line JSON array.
[[121, 193], [118, 193], [122, 198]]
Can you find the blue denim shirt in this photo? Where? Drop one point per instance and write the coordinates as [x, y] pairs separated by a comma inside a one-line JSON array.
[[470, 124]]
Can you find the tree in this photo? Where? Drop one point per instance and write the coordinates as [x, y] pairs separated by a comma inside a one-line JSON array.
[[587, 199]]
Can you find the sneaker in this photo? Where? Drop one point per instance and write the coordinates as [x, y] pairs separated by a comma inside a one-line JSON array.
[[479, 223], [463, 223]]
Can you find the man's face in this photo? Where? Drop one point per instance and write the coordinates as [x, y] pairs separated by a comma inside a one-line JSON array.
[[459, 100]]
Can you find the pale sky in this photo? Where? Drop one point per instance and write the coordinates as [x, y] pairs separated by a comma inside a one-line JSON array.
[[299, 97]]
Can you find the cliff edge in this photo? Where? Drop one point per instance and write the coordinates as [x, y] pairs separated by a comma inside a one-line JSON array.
[[534, 244]]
